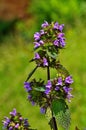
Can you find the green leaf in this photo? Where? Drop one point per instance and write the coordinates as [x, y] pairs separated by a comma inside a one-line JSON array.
[[41, 89], [52, 54], [64, 119], [61, 69], [59, 105], [48, 114]]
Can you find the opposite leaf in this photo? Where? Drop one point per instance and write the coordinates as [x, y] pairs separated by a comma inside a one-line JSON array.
[[59, 105]]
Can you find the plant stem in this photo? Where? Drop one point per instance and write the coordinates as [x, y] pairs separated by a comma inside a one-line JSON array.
[[53, 120], [48, 73], [32, 72]]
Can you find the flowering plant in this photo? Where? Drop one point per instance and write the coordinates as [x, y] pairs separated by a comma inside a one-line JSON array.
[[51, 95], [16, 122]]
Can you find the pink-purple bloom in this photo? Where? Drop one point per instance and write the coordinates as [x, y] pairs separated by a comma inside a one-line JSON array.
[[37, 56], [69, 80], [45, 63], [69, 96], [47, 91], [56, 25], [56, 42], [36, 45], [6, 122], [57, 88], [11, 128], [48, 87], [13, 113], [26, 124], [60, 27], [27, 86], [49, 84], [41, 42], [42, 32], [59, 82], [45, 24], [42, 110], [61, 41], [67, 89], [29, 97], [60, 35], [33, 103], [37, 36], [17, 125]]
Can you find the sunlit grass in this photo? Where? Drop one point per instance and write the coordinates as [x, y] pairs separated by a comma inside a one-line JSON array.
[[14, 68]]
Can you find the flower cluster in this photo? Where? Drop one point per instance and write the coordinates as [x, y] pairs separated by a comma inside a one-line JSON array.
[[60, 88], [15, 122], [52, 94], [43, 94], [48, 40]]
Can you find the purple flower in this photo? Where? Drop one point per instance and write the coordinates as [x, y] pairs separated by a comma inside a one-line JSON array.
[[29, 97], [37, 56], [6, 122], [49, 84], [60, 27], [47, 91], [26, 124], [57, 88], [69, 96], [13, 113], [67, 89], [17, 125], [56, 43], [41, 42], [56, 25], [45, 63], [20, 118], [42, 110], [33, 103], [61, 41], [42, 32], [37, 44], [59, 81], [45, 24], [69, 80], [11, 128], [27, 86], [37, 36], [60, 35]]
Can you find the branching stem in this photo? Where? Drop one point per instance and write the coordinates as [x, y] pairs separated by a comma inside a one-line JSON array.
[[32, 72]]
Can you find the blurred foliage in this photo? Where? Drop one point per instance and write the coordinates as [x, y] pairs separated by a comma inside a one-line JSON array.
[[63, 11], [6, 26], [70, 12]]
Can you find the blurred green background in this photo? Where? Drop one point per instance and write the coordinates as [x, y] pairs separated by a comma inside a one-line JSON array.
[[16, 49]]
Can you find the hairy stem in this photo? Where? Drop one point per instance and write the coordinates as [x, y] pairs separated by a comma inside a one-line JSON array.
[[53, 120]]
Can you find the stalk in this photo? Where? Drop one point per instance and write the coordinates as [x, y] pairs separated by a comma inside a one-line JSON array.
[[53, 120]]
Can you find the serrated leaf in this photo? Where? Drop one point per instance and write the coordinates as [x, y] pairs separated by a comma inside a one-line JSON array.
[[59, 105], [64, 119], [41, 89]]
